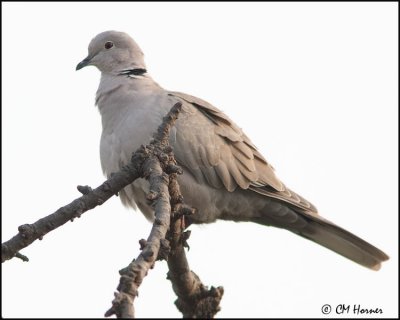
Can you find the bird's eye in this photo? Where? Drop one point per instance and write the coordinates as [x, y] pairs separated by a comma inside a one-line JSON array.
[[108, 45]]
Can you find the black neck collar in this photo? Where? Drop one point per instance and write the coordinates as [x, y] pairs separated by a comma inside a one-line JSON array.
[[133, 72]]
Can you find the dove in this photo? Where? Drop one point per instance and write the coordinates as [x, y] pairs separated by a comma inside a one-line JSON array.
[[224, 175]]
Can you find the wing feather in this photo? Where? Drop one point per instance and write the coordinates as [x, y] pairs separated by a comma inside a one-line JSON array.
[[227, 179], [216, 150], [248, 162]]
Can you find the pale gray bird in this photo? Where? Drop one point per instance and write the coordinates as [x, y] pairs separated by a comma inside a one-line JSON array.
[[225, 176]]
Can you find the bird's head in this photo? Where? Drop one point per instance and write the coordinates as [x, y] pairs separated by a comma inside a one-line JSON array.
[[113, 52]]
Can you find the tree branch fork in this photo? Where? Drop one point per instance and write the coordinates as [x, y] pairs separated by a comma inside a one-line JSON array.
[[167, 240]]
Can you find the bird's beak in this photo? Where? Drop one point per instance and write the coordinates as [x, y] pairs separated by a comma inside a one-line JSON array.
[[83, 63]]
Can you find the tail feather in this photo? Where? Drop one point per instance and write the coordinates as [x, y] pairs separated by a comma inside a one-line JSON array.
[[315, 228], [344, 243]]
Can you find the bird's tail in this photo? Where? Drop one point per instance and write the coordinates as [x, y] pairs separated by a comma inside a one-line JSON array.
[[335, 238], [343, 242]]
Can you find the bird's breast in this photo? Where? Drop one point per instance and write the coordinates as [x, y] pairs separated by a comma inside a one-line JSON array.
[[128, 121]]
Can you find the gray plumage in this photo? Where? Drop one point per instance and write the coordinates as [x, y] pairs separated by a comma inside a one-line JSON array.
[[225, 176]]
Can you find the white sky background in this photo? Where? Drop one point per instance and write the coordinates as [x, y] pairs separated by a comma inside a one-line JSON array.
[[313, 85]]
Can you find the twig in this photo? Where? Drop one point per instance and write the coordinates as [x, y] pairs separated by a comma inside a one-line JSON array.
[[22, 257]]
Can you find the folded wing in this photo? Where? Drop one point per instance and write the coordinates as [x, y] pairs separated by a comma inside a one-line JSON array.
[[216, 150]]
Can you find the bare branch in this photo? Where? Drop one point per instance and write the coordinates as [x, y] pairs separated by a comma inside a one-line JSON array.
[[28, 233], [132, 276], [194, 298], [156, 163]]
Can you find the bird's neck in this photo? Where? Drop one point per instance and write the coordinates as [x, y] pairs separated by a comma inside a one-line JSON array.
[[134, 81]]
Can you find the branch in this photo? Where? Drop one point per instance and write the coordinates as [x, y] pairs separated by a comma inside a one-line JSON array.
[[194, 298], [132, 276], [156, 163], [28, 233]]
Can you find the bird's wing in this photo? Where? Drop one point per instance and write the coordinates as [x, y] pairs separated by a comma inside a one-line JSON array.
[[214, 149]]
